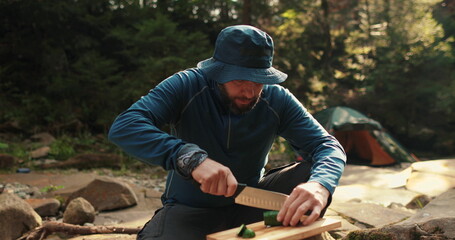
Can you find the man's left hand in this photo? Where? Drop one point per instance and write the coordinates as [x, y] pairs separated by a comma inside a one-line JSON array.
[[310, 196]]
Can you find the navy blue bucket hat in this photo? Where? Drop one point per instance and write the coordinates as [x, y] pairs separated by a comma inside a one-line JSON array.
[[242, 52]]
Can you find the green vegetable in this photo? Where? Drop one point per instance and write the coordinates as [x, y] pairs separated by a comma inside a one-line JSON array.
[[245, 232], [241, 230], [248, 233], [270, 218]]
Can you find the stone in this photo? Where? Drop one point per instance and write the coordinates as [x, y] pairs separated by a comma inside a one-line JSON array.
[[45, 207], [7, 161], [434, 229], [435, 221], [382, 177], [106, 193], [40, 152], [418, 202], [45, 138], [369, 215], [17, 217], [430, 184], [79, 211], [441, 167], [379, 195], [441, 207]]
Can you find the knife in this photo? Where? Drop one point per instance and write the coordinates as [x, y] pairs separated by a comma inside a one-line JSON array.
[[260, 198]]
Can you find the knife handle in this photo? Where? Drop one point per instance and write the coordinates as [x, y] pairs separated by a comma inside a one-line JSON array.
[[240, 187]]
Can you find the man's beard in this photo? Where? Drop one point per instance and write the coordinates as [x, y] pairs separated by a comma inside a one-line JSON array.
[[230, 102]]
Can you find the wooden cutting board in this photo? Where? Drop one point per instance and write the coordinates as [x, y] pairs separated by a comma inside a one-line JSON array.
[[280, 232]]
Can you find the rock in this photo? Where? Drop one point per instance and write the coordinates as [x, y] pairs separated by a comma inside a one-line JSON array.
[[369, 215], [79, 211], [382, 177], [435, 221], [45, 138], [17, 217], [440, 207], [106, 193], [45, 207], [418, 202], [441, 167], [7, 161], [434, 229], [87, 161], [430, 184], [346, 226], [40, 152], [371, 194], [432, 177], [440, 227]]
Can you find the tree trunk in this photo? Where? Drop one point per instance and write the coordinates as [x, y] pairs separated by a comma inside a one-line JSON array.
[[327, 55], [246, 12]]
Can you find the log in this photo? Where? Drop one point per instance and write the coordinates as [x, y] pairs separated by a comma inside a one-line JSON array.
[[48, 228]]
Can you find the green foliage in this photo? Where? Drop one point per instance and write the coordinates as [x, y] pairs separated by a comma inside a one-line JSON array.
[[18, 150], [62, 148], [3, 146], [72, 66], [85, 61], [51, 188]]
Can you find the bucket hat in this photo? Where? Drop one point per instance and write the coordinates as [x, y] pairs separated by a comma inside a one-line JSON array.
[[242, 52]]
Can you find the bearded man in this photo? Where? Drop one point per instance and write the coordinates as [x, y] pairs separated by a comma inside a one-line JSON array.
[[224, 116]]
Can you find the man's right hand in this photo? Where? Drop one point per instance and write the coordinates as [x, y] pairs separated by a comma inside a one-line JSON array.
[[215, 178]]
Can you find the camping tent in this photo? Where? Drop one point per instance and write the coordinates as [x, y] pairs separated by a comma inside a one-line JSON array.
[[365, 141]]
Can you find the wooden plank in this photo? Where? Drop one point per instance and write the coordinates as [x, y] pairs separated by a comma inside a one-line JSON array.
[[280, 232]]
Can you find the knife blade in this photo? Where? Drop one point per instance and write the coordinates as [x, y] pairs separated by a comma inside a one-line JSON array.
[[259, 198]]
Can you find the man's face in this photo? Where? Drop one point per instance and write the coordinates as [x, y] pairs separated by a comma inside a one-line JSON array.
[[240, 95]]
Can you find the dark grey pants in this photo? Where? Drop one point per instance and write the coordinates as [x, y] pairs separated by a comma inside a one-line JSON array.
[[177, 221]]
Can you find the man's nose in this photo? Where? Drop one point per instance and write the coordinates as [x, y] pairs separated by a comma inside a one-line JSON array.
[[249, 92]]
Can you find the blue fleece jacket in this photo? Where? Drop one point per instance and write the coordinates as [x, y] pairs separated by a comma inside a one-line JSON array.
[[190, 104]]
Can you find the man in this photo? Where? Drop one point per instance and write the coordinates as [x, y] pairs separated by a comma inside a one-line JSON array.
[[224, 117]]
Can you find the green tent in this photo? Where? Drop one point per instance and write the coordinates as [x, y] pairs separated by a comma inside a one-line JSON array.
[[365, 141]]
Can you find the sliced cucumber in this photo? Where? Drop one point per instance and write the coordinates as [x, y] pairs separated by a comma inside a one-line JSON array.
[[241, 230], [248, 233], [270, 218]]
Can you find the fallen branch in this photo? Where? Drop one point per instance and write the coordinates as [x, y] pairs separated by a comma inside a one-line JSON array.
[[48, 228]]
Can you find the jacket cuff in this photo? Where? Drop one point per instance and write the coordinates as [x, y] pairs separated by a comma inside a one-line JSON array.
[[189, 157]]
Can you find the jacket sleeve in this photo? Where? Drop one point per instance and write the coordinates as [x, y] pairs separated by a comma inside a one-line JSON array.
[[137, 130], [313, 143]]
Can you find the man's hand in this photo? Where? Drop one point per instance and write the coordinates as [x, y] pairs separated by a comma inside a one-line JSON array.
[[215, 178], [306, 196]]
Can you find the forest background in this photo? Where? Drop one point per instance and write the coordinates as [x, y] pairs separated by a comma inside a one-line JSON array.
[[69, 67]]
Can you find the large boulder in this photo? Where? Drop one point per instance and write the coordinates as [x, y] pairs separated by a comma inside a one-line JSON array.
[[79, 211], [44, 206], [434, 229], [441, 207], [369, 215], [432, 177], [17, 217], [435, 221], [44, 138], [106, 193], [40, 152]]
